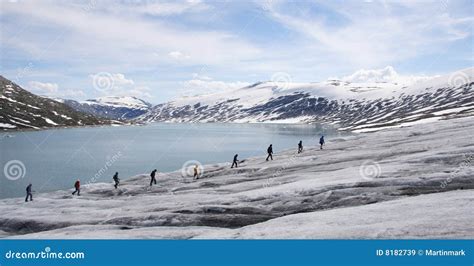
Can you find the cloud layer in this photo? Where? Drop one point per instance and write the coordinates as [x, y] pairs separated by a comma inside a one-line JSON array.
[[158, 45]]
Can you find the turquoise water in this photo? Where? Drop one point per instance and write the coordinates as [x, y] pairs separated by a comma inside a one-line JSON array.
[[54, 159]]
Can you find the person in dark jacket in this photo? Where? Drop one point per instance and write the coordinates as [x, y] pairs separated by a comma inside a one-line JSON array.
[[235, 161], [270, 152], [116, 180], [29, 193], [321, 142], [300, 146], [153, 179], [77, 186]]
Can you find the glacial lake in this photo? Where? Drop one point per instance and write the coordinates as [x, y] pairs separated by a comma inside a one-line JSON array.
[[53, 159]]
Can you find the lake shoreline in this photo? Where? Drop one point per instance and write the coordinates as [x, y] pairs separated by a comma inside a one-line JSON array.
[[53, 159]]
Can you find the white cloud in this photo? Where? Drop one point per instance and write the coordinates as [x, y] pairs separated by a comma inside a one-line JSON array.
[[374, 34], [162, 41], [71, 93], [43, 87], [171, 8], [120, 80], [201, 84], [386, 74], [201, 77], [116, 84], [53, 90], [142, 92], [178, 55], [130, 38]]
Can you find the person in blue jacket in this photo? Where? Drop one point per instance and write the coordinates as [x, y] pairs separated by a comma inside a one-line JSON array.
[[321, 142]]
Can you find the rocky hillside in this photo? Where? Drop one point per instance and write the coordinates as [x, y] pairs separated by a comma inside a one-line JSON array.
[[21, 109]]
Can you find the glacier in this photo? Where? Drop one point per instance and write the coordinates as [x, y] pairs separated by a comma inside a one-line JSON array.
[[406, 182]]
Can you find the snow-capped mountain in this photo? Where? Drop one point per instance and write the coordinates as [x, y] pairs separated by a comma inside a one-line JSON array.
[[21, 109], [357, 106], [111, 107]]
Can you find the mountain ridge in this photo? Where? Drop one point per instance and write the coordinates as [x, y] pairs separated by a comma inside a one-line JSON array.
[[21, 109], [111, 107], [352, 106]]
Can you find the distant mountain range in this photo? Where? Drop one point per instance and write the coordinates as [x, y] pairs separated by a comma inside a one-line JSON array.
[[111, 107], [356, 106], [20, 109]]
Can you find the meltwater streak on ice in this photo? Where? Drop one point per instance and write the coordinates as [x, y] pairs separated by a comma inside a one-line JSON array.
[[55, 158]]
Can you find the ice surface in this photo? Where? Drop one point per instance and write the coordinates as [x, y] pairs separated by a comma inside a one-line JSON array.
[[410, 182]]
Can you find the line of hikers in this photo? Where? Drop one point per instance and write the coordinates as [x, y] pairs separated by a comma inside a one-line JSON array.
[[116, 179], [235, 161]]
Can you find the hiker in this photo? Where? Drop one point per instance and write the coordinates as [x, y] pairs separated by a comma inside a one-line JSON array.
[[270, 152], [300, 146], [116, 180], [77, 186], [235, 161], [196, 171], [321, 141], [153, 179], [28, 193]]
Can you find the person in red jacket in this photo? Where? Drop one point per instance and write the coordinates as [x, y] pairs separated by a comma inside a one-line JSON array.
[[77, 186]]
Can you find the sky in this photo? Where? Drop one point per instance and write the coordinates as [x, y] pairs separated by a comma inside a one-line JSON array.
[[159, 50]]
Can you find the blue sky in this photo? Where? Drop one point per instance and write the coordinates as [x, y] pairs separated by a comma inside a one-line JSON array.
[[158, 50]]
